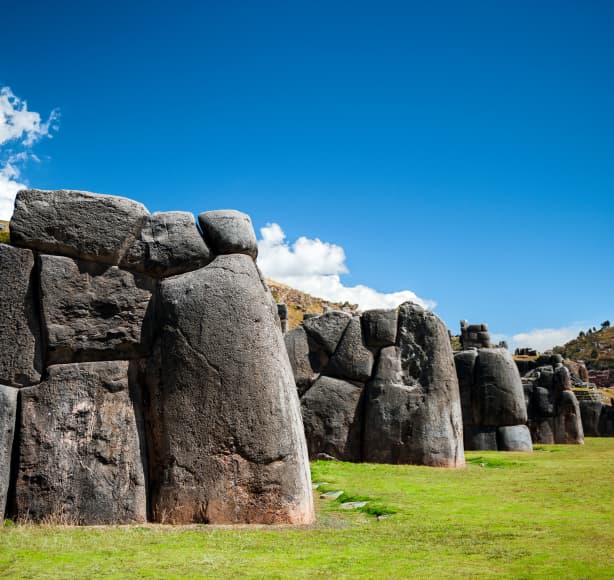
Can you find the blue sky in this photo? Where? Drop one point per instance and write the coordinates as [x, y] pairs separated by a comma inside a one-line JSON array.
[[463, 151]]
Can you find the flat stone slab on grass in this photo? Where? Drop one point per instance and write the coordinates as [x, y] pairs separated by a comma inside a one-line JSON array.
[[353, 505], [331, 495]]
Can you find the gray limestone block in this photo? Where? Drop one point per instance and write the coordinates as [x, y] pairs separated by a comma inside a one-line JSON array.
[[480, 438], [169, 244], [464, 362], [379, 327], [229, 231], [332, 417], [327, 329], [306, 358], [568, 420], [21, 357], [225, 432], [420, 372], [562, 378], [8, 415], [545, 377], [542, 404], [81, 448], [498, 396], [391, 430], [93, 311], [352, 360], [606, 421], [542, 431], [590, 412], [78, 224], [514, 438]]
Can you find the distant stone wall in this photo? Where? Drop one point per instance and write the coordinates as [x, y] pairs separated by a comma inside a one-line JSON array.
[[493, 405], [379, 387], [143, 374]]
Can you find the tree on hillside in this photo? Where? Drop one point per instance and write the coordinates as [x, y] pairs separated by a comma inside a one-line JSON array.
[[605, 324]]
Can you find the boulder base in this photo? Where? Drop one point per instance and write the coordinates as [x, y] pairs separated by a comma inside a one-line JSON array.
[[8, 414]]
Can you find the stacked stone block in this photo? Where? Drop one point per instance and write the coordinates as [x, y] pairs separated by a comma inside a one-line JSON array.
[[474, 335], [553, 409], [143, 373], [379, 387], [493, 405]]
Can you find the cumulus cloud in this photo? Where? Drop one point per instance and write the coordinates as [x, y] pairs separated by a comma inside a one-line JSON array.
[[20, 129], [315, 267], [545, 338]]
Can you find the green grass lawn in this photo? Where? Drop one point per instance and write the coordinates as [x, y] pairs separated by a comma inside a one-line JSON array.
[[546, 514]]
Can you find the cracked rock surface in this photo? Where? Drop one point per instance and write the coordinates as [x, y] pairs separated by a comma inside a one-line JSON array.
[[227, 444]]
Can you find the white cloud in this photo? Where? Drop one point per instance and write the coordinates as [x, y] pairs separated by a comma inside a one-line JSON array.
[[545, 338], [20, 129], [315, 267]]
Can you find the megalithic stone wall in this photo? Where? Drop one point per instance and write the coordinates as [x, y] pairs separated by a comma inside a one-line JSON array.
[[553, 409], [150, 369], [493, 403], [379, 387]]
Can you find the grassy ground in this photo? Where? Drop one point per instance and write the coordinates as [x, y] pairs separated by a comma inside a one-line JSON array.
[[546, 514]]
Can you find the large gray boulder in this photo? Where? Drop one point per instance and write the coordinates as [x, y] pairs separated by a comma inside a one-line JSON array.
[[514, 438], [20, 344], [306, 358], [590, 412], [464, 362], [413, 402], [498, 396], [568, 420], [379, 327], [227, 443], [169, 244], [332, 416], [542, 430], [327, 329], [78, 224], [8, 414], [81, 447], [352, 360], [93, 311], [228, 231]]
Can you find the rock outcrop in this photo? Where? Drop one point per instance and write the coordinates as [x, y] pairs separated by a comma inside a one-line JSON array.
[[493, 404], [380, 387], [150, 368], [597, 419]]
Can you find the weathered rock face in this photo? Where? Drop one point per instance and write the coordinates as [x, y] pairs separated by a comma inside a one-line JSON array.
[[306, 358], [351, 360], [498, 397], [493, 399], [78, 224], [553, 410], [568, 420], [379, 327], [227, 443], [332, 414], [8, 415], [93, 311], [168, 244], [81, 450], [223, 427], [20, 345], [411, 404], [229, 232], [327, 329]]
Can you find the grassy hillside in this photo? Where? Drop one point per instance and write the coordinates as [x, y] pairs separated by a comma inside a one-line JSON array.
[[547, 514], [5, 237], [595, 349], [300, 303]]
